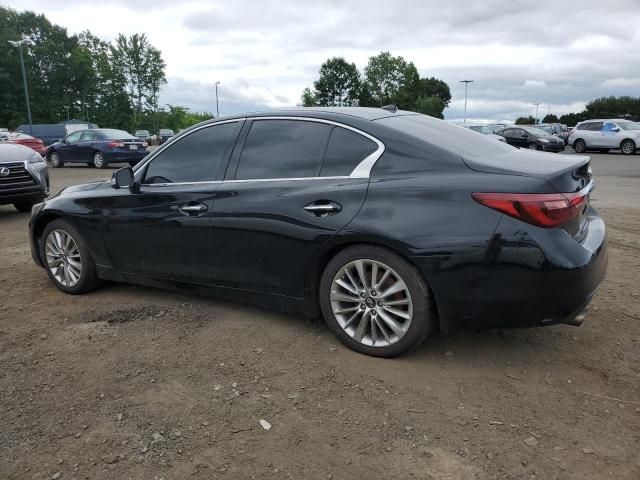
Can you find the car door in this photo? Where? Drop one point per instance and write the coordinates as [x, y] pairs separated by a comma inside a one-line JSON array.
[[591, 134], [68, 149], [163, 228], [508, 136], [609, 136], [84, 146], [291, 186]]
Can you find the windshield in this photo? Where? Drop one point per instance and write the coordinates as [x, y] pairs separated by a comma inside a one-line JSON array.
[[166, 132], [546, 128], [142, 132], [495, 128], [445, 135], [536, 131], [629, 125], [112, 134], [481, 129]]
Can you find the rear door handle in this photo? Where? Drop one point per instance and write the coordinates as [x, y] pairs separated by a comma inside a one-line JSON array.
[[322, 208], [193, 209]]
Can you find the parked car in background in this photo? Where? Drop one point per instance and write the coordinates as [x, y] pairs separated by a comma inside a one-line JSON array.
[[532, 138], [556, 129], [24, 177], [483, 129], [344, 211], [165, 134], [51, 133], [26, 140], [605, 135], [143, 135], [98, 147]]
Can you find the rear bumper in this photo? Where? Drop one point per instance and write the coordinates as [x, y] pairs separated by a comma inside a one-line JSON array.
[[125, 156], [524, 278]]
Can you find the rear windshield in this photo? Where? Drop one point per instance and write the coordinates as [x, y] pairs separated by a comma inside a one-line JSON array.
[[446, 136], [112, 134]]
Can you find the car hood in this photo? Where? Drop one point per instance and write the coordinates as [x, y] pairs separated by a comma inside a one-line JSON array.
[[85, 187]]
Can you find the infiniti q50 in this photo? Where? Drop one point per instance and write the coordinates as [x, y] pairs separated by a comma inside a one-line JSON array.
[[389, 224]]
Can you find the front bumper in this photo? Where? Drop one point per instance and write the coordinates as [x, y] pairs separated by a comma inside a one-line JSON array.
[[553, 147]]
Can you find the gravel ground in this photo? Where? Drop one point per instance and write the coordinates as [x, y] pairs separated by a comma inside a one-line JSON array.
[[131, 382]]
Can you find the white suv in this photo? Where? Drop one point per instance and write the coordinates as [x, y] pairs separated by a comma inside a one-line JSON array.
[[606, 135]]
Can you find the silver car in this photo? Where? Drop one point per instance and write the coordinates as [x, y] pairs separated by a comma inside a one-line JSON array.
[[605, 135], [484, 129]]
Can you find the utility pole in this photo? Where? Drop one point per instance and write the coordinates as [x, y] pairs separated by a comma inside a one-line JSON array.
[[217, 107], [466, 86], [536, 104], [18, 43], [67, 108]]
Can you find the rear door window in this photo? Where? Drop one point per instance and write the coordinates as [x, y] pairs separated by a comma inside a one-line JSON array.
[[345, 151], [282, 149]]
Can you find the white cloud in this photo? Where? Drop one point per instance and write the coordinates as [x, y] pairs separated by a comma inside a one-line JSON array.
[[265, 52]]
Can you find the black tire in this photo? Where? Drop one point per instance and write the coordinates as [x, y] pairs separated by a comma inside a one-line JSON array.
[[25, 206], [54, 160], [422, 321], [98, 160], [628, 147], [533, 146], [580, 146], [88, 279]]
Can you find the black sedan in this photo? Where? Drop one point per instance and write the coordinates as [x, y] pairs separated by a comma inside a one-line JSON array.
[[389, 223], [98, 147], [533, 138]]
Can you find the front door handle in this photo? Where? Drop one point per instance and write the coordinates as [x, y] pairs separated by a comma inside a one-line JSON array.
[[193, 209], [322, 208]]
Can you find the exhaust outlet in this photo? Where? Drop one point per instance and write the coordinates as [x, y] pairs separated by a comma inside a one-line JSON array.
[[577, 320]]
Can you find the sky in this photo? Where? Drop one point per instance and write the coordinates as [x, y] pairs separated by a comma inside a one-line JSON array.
[[560, 54]]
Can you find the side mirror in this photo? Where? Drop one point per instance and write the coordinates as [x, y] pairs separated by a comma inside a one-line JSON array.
[[615, 129], [123, 178]]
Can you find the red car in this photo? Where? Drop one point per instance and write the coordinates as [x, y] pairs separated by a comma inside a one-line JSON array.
[[26, 140]]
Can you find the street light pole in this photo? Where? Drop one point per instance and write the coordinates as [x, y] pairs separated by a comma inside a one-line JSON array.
[[217, 107], [536, 104], [466, 86], [19, 43]]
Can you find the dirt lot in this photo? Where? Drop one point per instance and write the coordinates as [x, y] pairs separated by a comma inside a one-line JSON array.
[[131, 382]]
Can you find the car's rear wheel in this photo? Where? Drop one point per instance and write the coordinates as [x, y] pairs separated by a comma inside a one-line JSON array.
[[54, 159], [628, 147], [375, 301], [98, 160], [579, 146], [67, 259], [533, 146]]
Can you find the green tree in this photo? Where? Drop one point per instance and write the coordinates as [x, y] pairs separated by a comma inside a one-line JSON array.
[[430, 106], [338, 85], [571, 119], [550, 118], [525, 120], [308, 98], [391, 80], [434, 87]]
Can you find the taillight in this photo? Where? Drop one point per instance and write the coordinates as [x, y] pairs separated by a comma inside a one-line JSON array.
[[546, 210], [116, 145]]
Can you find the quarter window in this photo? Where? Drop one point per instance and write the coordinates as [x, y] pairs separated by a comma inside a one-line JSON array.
[[193, 158], [282, 149], [345, 151]]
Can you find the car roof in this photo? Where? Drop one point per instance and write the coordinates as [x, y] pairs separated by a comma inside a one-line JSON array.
[[13, 152]]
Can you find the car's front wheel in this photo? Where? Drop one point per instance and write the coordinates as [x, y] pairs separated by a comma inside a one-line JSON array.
[[54, 159], [579, 146], [628, 147], [533, 146], [375, 301], [67, 259], [99, 161]]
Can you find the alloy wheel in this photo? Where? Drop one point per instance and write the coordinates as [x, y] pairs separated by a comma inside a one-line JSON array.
[[54, 158], [371, 303], [63, 258], [533, 146], [628, 147], [98, 160]]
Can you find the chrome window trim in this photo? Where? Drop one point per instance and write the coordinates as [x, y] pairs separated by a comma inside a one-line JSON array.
[[361, 171], [167, 144]]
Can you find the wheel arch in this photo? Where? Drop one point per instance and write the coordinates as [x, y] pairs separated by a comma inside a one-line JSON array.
[[321, 259], [627, 139]]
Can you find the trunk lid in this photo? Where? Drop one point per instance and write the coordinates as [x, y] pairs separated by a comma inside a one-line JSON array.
[[566, 173]]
